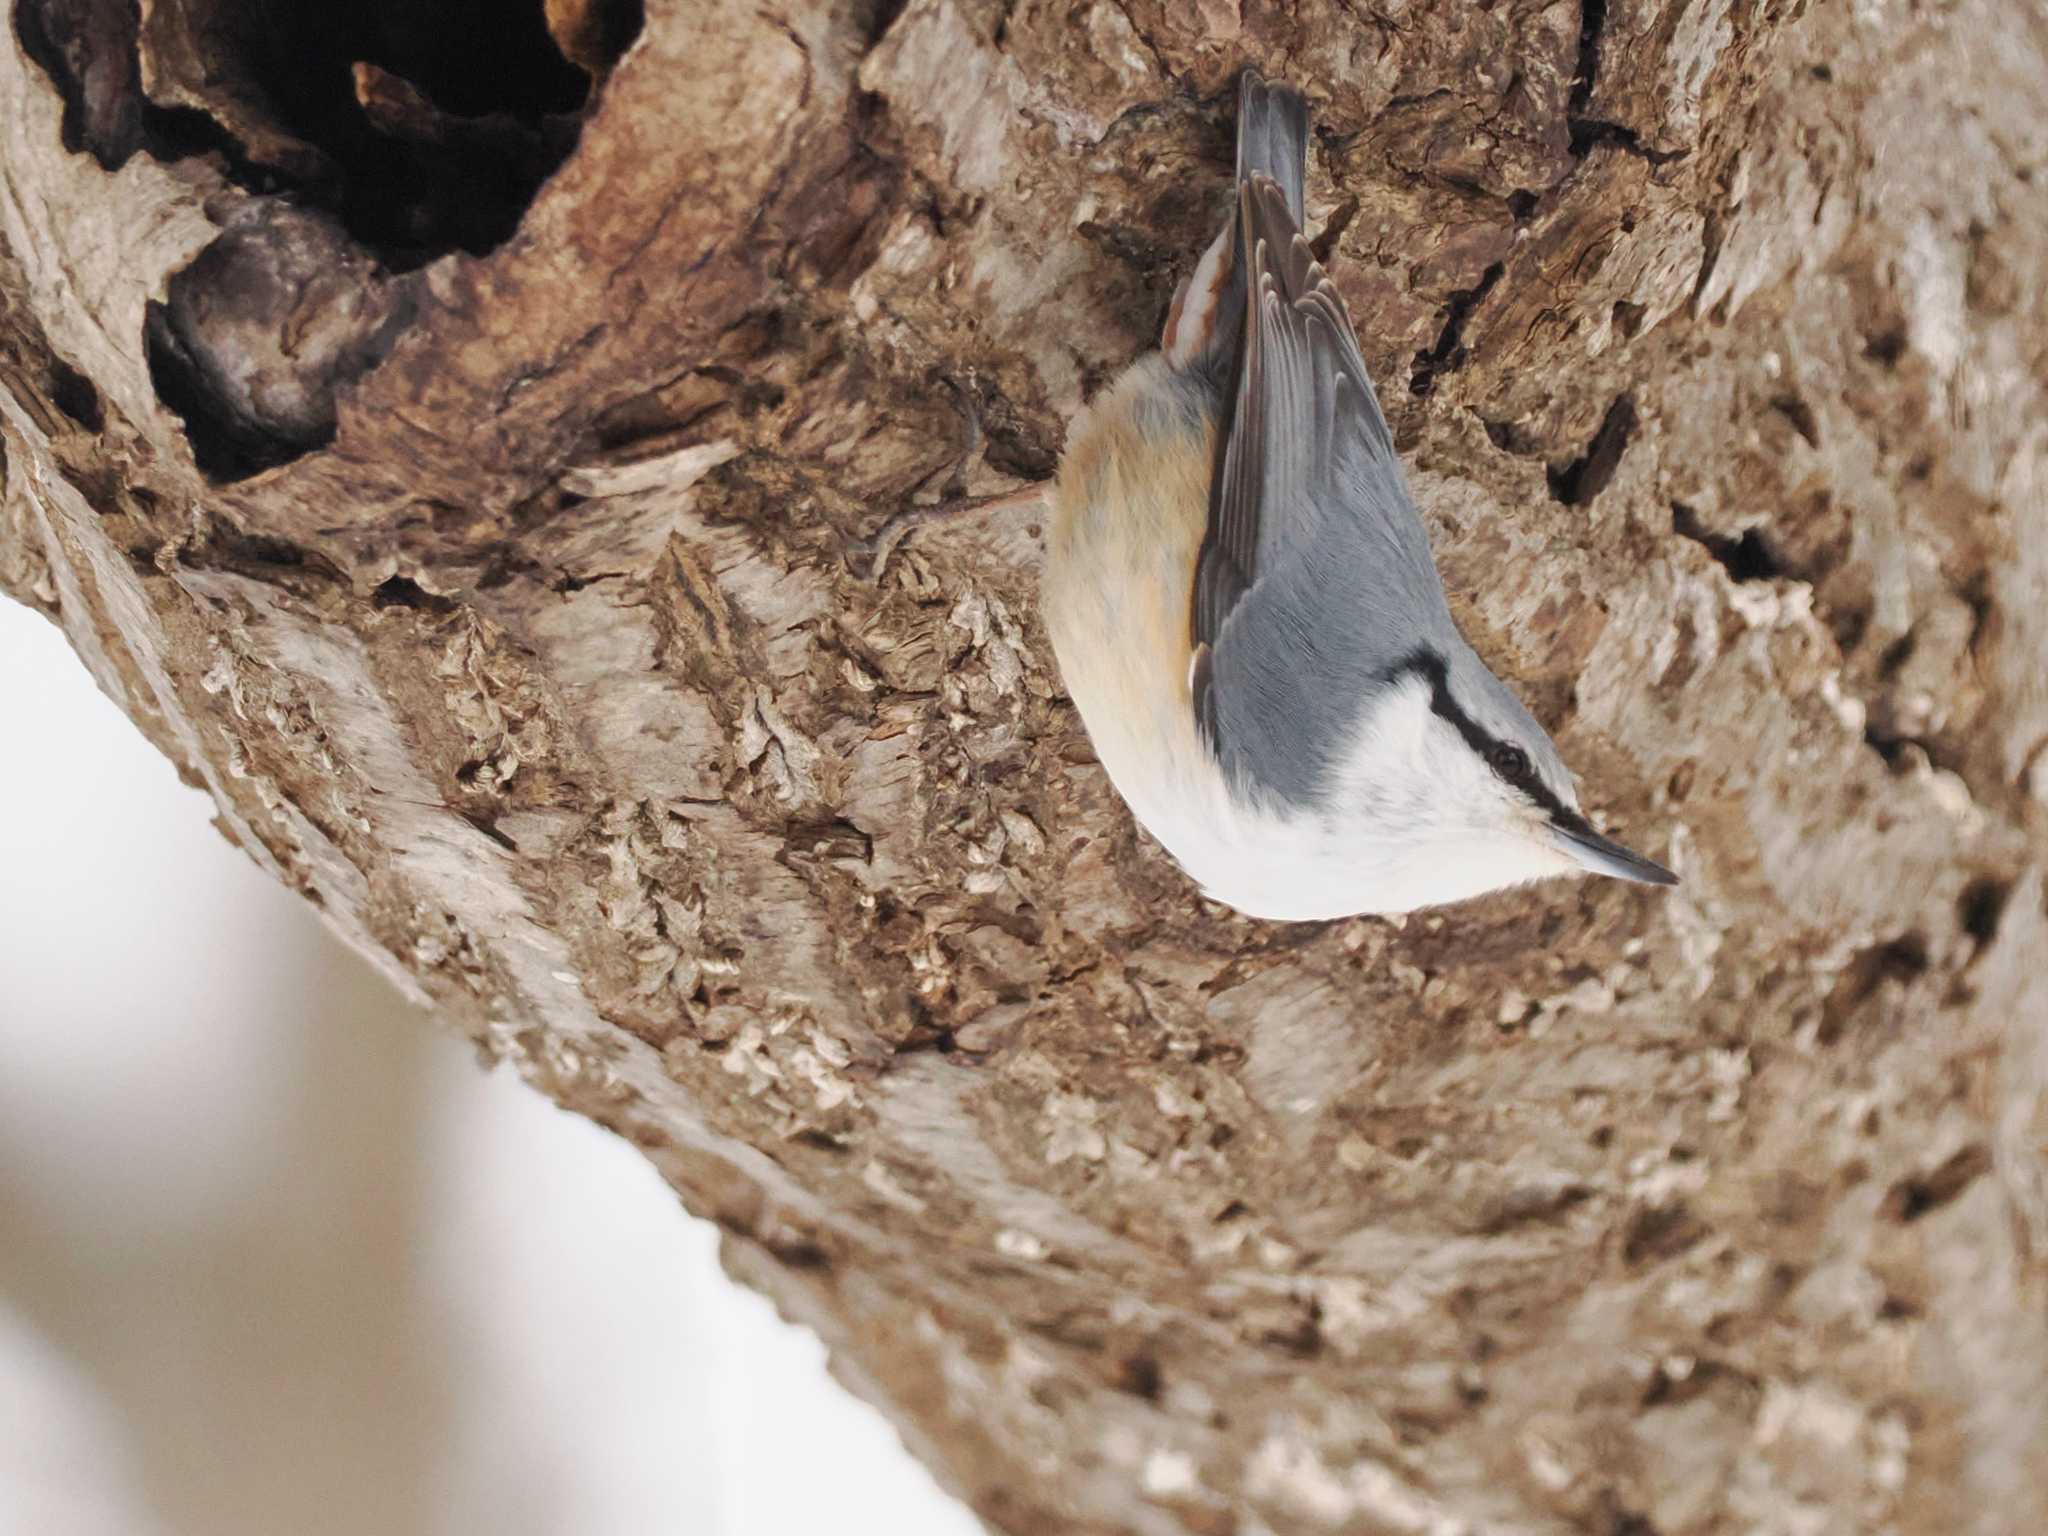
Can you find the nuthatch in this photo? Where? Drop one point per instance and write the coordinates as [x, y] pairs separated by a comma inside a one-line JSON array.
[[1247, 614]]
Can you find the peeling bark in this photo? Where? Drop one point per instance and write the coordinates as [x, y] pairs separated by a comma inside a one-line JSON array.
[[471, 481]]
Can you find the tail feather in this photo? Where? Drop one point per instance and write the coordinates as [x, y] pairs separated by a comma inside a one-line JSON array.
[[1205, 327], [1272, 138]]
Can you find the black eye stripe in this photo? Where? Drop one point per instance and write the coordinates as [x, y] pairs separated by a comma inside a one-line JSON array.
[[1431, 666]]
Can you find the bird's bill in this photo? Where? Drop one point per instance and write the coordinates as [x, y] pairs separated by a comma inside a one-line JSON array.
[[1603, 856]]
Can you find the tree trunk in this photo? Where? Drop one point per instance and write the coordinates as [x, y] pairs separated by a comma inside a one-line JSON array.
[[486, 483]]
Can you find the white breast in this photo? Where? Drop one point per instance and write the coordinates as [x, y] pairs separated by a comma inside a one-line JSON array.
[[1128, 519]]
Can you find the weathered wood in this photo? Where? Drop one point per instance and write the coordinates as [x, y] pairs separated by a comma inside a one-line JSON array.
[[472, 489]]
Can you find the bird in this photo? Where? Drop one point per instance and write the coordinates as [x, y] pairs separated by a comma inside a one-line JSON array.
[[1246, 613]]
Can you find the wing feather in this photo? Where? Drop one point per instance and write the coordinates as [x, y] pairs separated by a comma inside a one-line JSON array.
[[1308, 506]]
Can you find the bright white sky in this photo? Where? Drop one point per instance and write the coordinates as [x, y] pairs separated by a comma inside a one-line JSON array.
[[276, 1256]]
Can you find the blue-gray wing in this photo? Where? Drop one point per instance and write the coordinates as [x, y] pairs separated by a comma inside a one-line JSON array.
[[1315, 580]]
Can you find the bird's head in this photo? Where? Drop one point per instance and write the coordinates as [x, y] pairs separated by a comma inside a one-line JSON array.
[[1460, 791]]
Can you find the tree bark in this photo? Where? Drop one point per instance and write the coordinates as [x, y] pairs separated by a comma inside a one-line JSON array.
[[486, 484]]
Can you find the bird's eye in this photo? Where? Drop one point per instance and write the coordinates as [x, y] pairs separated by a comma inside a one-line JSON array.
[[1509, 761]]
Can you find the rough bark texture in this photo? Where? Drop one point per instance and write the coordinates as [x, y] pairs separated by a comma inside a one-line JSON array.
[[482, 486]]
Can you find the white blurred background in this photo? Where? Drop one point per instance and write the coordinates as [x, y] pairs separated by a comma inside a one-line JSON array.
[[276, 1256]]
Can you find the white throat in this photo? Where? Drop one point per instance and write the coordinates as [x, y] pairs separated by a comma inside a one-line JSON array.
[[1412, 819]]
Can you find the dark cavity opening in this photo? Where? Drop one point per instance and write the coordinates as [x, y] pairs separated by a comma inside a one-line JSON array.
[[1577, 483], [1886, 347], [404, 592], [1450, 353], [378, 136], [72, 393], [1900, 961], [1911, 1198], [424, 126], [1980, 908], [1747, 558]]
